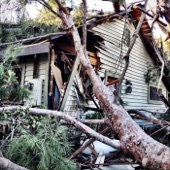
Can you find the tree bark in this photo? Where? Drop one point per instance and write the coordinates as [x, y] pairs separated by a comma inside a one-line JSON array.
[[8, 165], [133, 140], [167, 10]]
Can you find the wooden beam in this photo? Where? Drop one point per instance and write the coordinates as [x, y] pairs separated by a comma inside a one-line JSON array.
[[65, 47], [87, 144], [71, 80], [35, 49], [150, 15]]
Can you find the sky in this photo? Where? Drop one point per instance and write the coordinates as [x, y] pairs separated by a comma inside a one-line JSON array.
[[106, 6], [34, 8]]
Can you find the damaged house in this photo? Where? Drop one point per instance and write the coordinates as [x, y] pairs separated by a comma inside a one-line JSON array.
[[49, 68]]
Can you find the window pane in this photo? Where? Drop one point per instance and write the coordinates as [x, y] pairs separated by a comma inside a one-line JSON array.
[[153, 93]]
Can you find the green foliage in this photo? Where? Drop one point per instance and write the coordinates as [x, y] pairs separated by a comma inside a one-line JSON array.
[[10, 89], [27, 28], [77, 16], [46, 148], [47, 18], [151, 75]]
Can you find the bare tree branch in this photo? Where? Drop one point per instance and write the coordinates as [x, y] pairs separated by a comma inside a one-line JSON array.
[[149, 118], [93, 121], [135, 36], [69, 119], [150, 15], [45, 4], [162, 68], [61, 7], [84, 27], [87, 144]]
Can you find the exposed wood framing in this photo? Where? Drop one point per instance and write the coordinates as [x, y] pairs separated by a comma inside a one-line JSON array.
[[70, 83], [35, 49], [150, 15], [51, 83], [67, 48]]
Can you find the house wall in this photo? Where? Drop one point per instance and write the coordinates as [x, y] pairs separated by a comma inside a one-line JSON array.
[[41, 81], [111, 57], [72, 103]]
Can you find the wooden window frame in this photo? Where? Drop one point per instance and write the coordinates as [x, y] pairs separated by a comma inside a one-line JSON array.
[[22, 68], [35, 67]]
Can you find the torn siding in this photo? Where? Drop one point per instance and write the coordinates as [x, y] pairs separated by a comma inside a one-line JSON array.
[[73, 102], [111, 54]]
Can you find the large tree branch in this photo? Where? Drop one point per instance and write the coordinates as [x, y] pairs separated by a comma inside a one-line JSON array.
[[45, 4], [61, 7], [135, 36], [84, 27], [6, 164], [133, 140], [150, 15], [69, 119]]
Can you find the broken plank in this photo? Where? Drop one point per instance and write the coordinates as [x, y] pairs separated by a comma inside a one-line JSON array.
[[100, 159], [70, 83], [87, 144]]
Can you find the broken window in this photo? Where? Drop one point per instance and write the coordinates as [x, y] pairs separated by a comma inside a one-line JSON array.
[[35, 67], [154, 95]]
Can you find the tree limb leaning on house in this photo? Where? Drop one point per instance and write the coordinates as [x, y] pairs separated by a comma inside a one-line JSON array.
[[133, 140]]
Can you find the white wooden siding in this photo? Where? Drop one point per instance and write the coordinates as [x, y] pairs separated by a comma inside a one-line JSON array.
[[71, 106], [42, 71], [109, 53]]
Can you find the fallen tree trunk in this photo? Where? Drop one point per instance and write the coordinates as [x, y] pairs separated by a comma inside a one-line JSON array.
[[150, 153], [133, 140]]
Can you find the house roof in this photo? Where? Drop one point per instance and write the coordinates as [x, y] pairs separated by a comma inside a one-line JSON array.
[[37, 39], [145, 33], [146, 36]]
